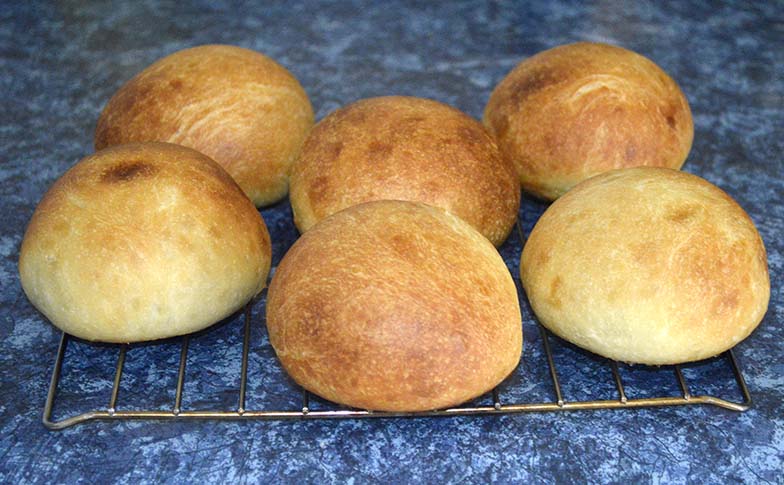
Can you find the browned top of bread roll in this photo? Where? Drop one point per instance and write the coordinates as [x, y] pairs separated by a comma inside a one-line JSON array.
[[235, 105], [395, 306], [577, 110], [405, 148], [143, 241], [647, 265]]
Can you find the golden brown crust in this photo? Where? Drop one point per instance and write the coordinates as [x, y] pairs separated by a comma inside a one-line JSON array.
[[404, 148], [577, 110], [647, 265], [235, 105], [143, 241], [395, 306]]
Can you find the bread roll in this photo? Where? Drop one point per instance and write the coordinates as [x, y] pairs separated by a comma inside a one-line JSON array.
[[141, 242], [569, 113], [647, 265], [405, 148], [235, 105], [394, 306]]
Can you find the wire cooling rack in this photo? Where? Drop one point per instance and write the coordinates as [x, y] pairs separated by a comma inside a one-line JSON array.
[[504, 399]]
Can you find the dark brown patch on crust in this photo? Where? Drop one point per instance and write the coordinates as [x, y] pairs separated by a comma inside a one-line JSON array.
[[412, 120], [681, 215], [542, 258], [555, 286], [403, 246], [330, 151], [668, 112], [129, 95], [408, 126], [127, 171], [352, 114], [134, 97], [318, 188], [501, 126], [529, 83], [472, 134], [379, 150], [175, 84]]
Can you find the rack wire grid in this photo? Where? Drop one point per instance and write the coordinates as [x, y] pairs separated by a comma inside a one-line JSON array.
[[509, 397]]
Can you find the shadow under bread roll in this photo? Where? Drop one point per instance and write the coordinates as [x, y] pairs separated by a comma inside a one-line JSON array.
[[141, 242]]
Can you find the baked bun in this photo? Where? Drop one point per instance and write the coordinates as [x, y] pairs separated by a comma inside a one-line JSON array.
[[647, 265], [141, 242], [394, 306], [572, 112], [235, 105], [404, 148]]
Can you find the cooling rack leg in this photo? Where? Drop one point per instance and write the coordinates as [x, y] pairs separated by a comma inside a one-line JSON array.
[[117, 377], [58, 367], [551, 363], [618, 383], [305, 402], [244, 369], [181, 376], [739, 378], [682, 383], [520, 231]]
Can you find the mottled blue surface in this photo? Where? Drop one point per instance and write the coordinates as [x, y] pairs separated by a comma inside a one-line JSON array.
[[60, 63]]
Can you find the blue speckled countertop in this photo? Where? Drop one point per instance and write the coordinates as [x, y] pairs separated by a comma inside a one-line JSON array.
[[62, 61]]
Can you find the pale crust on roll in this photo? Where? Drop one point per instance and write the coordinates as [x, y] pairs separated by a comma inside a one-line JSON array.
[[405, 148], [235, 105], [647, 265], [141, 242], [574, 111], [394, 306]]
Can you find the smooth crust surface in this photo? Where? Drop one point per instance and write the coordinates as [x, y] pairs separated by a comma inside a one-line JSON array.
[[405, 148], [235, 105], [395, 306], [143, 241], [647, 265], [574, 111]]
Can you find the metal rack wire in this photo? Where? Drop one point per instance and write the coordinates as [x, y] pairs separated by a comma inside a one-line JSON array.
[[560, 403]]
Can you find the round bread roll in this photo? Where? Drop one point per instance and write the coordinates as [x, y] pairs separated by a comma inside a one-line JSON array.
[[394, 306], [647, 265], [235, 105], [141, 242], [572, 112], [405, 148]]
